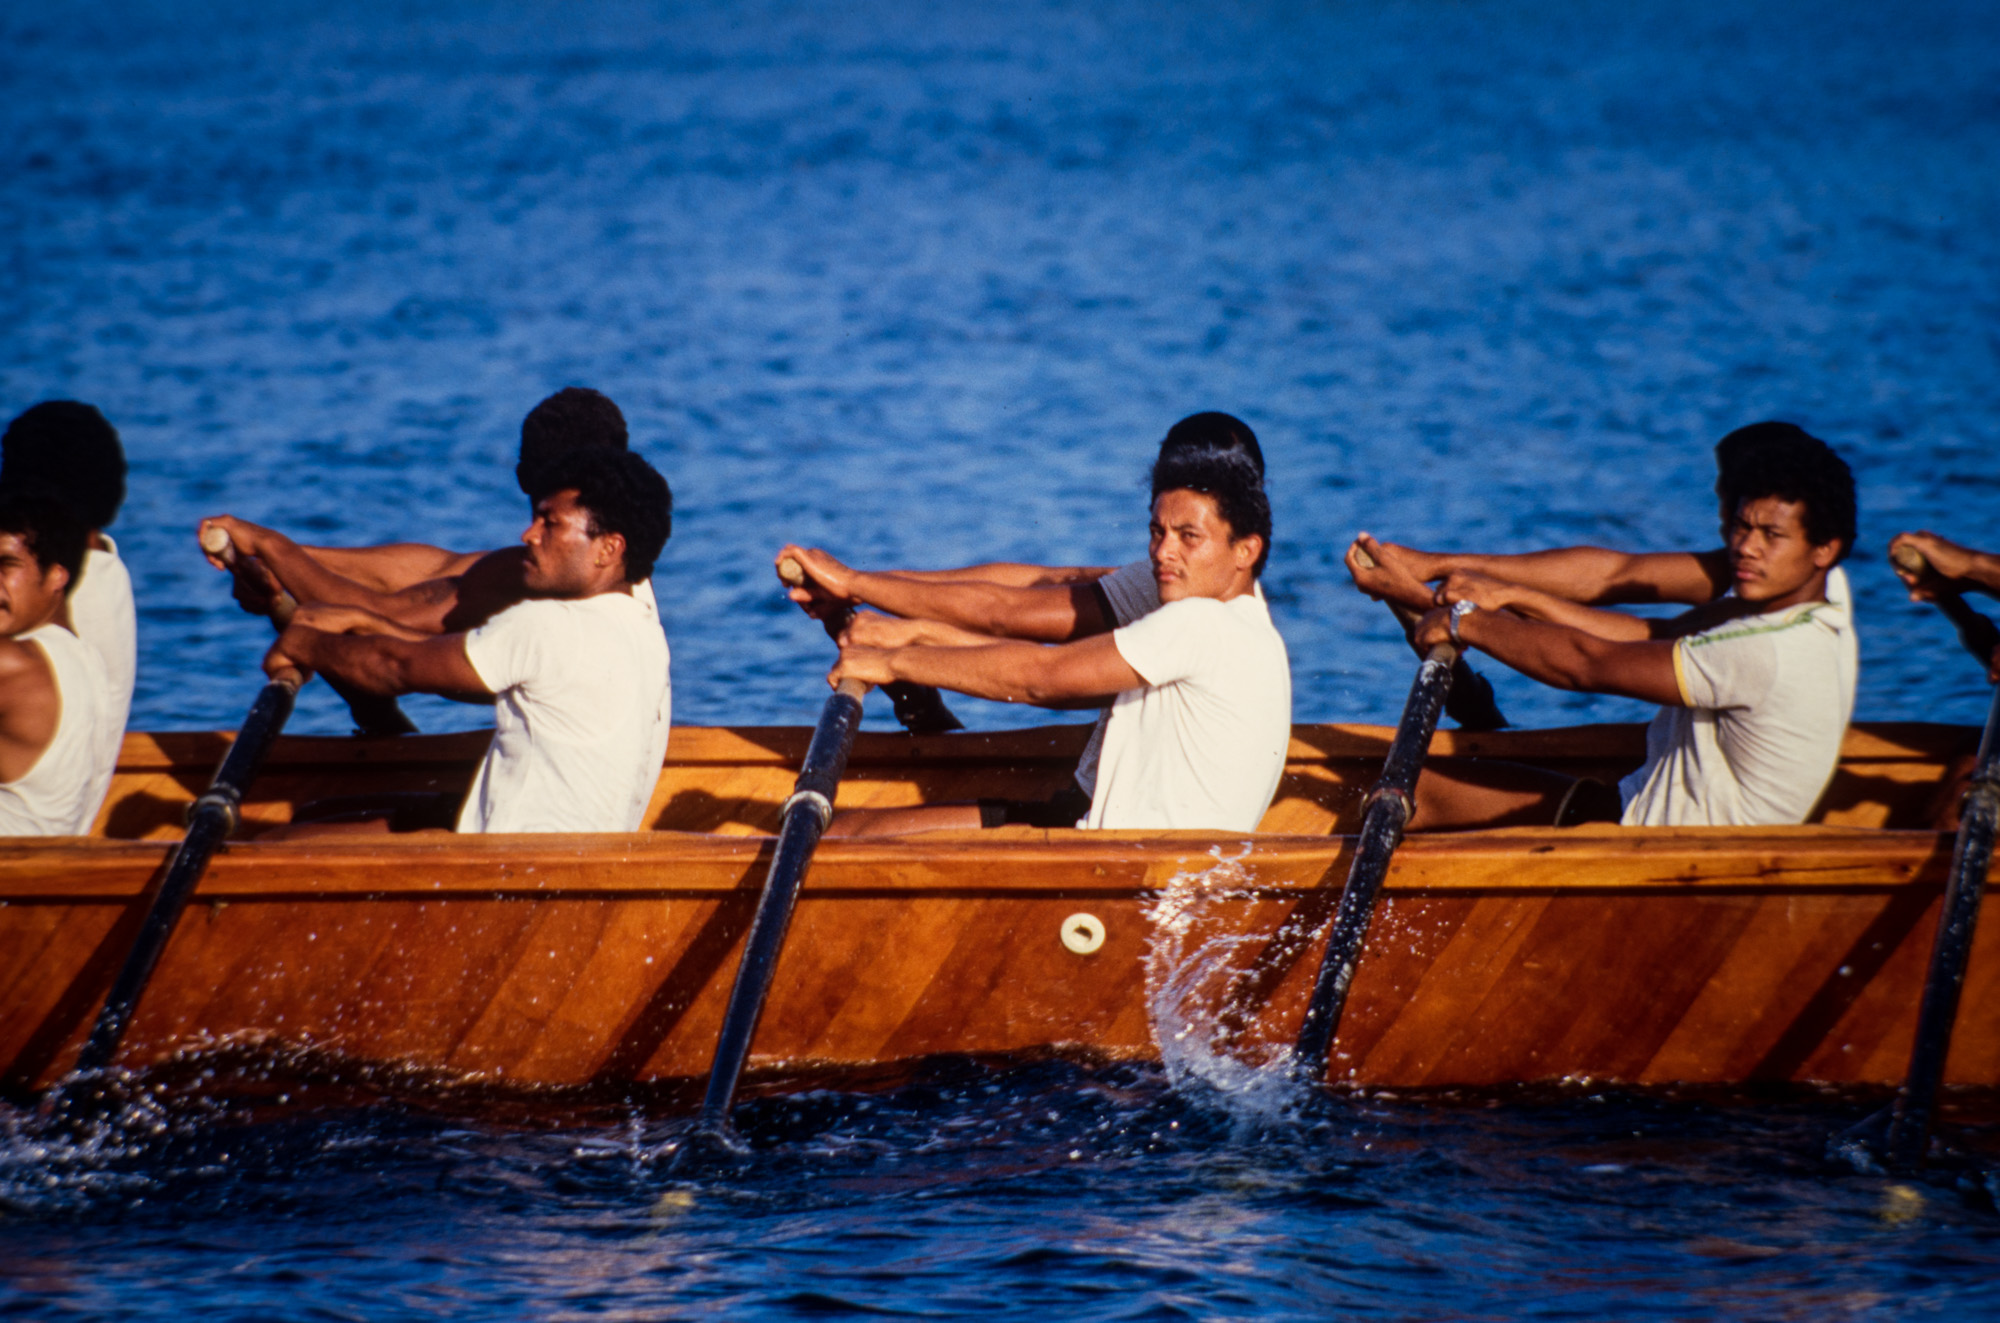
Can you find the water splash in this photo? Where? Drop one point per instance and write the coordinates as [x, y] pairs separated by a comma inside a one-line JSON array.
[[1194, 960]]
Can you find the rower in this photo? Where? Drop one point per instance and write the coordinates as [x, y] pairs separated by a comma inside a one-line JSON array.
[[1034, 603], [1199, 690], [1755, 689], [577, 671], [53, 703], [421, 587], [68, 450], [1601, 576]]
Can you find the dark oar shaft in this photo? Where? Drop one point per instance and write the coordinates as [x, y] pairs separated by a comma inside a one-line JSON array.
[[1388, 811], [806, 814], [212, 819], [1915, 1108]]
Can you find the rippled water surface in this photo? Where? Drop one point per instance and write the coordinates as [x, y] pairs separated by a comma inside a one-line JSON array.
[[925, 284]]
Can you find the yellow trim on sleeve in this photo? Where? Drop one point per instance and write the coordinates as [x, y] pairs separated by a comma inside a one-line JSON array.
[[1680, 672]]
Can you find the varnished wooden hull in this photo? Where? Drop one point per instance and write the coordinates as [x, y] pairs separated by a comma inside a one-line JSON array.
[[1703, 956]]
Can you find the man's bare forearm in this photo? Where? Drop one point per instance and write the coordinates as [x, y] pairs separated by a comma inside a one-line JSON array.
[[1599, 575], [1012, 574], [370, 663], [1613, 625], [304, 577], [1087, 673], [1045, 615], [1572, 659], [394, 566], [385, 664]]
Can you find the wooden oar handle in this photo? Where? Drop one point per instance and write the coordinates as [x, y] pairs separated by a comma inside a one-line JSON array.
[[793, 573], [1908, 558], [215, 541]]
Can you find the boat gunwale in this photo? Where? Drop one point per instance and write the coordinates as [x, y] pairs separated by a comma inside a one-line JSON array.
[[700, 746], [1766, 860]]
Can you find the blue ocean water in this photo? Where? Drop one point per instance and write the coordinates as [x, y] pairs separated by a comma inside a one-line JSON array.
[[924, 283]]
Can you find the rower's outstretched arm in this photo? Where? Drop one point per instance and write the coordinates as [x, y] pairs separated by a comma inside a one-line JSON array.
[[1013, 574], [488, 583], [394, 566], [1491, 594], [1564, 657], [1084, 673], [300, 573], [382, 663], [1054, 613], [1596, 576]]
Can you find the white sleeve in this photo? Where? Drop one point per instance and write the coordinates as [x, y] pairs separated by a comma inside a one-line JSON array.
[[1170, 644], [1132, 592], [1730, 669], [509, 650]]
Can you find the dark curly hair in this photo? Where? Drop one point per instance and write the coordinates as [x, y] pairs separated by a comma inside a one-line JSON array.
[[1235, 484], [575, 417], [1781, 460], [624, 495], [48, 526], [68, 449], [1221, 432]]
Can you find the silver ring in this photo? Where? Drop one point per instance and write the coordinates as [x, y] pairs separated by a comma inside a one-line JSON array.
[[1459, 611], [820, 805]]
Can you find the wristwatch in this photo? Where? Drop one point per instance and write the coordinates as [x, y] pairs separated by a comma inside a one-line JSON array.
[[1459, 611]]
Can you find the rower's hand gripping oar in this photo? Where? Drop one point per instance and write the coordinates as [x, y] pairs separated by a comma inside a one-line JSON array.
[[1470, 701], [211, 819], [806, 815], [1385, 813], [374, 714], [1912, 1114], [919, 708], [1978, 634]]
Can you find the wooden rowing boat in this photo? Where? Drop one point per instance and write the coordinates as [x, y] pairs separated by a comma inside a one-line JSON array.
[[599, 961]]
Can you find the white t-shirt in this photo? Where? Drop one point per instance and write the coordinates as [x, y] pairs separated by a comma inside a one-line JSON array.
[[1841, 598], [1132, 592], [1204, 743], [100, 606], [581, 721], [62, 792], [1768, 700]]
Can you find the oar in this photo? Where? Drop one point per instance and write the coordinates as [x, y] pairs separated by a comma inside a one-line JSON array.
[[806, 815], [374, 714], [1385, 813], [211, 819], [1914, 1111], [918, 707], [1470, 701]]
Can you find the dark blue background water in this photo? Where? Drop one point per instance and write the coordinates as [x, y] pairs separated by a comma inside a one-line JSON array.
[[925, 284]]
